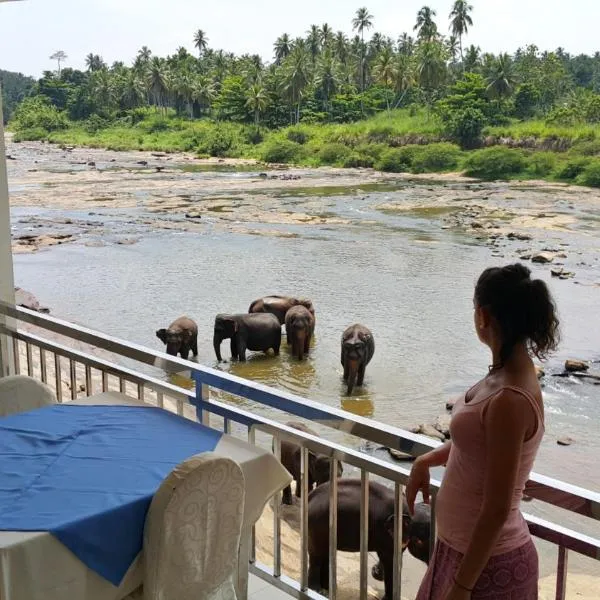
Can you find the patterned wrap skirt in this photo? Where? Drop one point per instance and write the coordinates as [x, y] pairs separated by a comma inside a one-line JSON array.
[[510, 576]]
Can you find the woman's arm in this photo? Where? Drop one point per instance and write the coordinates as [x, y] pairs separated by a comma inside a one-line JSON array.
[[506, 423], [419, 474]]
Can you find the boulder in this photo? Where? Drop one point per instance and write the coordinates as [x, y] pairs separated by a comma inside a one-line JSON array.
[[542, 257], [574, 366], [565, 441], [539, 371], [127, 241], [398, 455], [429, 431], [442, 424], [28, 300], [515, 235]]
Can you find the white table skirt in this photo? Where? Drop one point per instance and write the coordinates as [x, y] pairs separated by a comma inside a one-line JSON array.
[[36, 566]]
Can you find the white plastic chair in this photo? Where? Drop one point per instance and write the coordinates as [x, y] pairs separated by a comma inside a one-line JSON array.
[[192, 531], [19, 393]]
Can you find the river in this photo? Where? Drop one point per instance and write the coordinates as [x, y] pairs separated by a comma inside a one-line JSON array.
[[407, 274]]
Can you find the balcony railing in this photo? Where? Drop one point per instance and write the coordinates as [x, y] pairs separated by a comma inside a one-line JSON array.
[[54, 350]]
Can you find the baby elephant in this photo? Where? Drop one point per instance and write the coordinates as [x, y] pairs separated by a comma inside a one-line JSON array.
[[318, 465], [279, 305], [381, 529], [299, 329], [180, 337], [358, 347]]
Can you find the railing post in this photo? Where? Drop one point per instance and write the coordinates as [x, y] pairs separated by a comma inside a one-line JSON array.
[[561, 573], [202, 397]]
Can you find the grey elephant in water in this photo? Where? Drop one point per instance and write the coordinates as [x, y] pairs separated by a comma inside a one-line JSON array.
[[358, 347], [257, 332], [180, 337], [299, 329], [279, 306]]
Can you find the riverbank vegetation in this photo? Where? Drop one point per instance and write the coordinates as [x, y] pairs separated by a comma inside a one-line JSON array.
[[419, 103]]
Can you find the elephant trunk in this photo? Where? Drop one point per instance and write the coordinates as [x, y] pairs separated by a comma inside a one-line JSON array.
[[300, 339], [217, 345], [352, 374]]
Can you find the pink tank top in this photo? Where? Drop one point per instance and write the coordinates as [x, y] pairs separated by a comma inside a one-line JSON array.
[[461, 494]]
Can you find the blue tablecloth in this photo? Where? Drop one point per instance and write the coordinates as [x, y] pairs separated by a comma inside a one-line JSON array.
[[87, 474]]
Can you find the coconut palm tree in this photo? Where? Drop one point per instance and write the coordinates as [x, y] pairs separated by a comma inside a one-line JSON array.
[[326, 35], [460, 21], [313, 41], [132, 89], [405, 76], [94, 62], [257, 100], [425, 26], [431, 67], [282, 48], [59, 56], [327, 77], [103, 88], [502, 80], [158, 81], [406, 45], [296, 77], [200, 41], [204, 92], [362, 21], [453, 48], [340, 47], [472, 58], [384, 71]]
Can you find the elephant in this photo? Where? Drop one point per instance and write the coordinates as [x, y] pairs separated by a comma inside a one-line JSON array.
[[299, 329], [279, 305], [358, 347], [180, 337], [418, 537], [258, 332], [318, 465], [380, 533]]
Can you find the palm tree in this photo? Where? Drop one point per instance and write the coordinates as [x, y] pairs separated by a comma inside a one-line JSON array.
[[94, 62], [431, 67], [184, 89], [103, 88], [426, 27], [362, 21], [385, 72], [158, 83], [502, 81], [204, 91], [377, 43], [296, 77], [460, 21], [313, 41], [406, 45], [326, 35], [282, 48], [200, 41], [59, 56], [405, 76], [340, 46], [257, 100], [132, 89], [471, 61], [327, 76], [452, 44]]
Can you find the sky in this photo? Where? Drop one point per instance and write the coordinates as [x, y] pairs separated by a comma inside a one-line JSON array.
[[32, 30]]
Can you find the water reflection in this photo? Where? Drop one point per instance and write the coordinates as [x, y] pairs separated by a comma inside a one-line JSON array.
[[363, 406]]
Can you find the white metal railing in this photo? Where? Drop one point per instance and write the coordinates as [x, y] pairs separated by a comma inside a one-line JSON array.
[[74, 372]]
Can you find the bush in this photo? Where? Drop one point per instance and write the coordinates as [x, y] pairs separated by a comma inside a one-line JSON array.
[[586, 148], [334, 154], [155, 124], [298, 135], [253, 136], [381, 133], [571, 169], [436, 157], [282, 151], [38, 113], [94, 123], [372, 151], [357, 160], [495, 163], [397, 160], [216, 142], [34, 134], [590, 176], [541, 164]]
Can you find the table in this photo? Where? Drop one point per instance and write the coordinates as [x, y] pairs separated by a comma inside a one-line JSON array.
[[36, 566]]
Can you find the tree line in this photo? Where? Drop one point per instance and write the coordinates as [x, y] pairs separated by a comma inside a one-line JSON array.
[[15, 87], [334, 76]]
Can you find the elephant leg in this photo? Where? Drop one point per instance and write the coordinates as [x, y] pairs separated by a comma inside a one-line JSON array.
[[361, 374], [241, 349], [234, 349], [346, 371], [298, 488], [184, 351], [287, 496], [287, 337], [277, 346], [388, 575], [314, 571], [377, 571], [307, 344], [194, 346]]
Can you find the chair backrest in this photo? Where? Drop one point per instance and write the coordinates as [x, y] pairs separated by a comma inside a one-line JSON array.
[[19, 393], [192, 531]]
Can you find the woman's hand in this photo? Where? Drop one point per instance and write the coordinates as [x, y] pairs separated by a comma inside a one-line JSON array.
[[457, 593], [417, 482]]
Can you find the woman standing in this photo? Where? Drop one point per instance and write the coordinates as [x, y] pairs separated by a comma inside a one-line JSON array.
[[484, 549]]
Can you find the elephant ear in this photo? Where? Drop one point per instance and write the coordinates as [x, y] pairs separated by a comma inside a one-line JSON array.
[[390, 528], [161, 334], [234, 323]]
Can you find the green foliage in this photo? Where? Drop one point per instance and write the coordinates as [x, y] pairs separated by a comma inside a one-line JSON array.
[[397, 160], [217, 141], [334, 154], [590, 175], [34, 134], [15, 87], [495, 163], [541, 164], [572, 168], [297, 134], [435, 158], [38, 112], [282, 151], [356, 160], [526, 101], [586, 148]]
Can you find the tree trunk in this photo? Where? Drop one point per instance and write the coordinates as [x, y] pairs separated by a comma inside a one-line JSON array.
[[256, 117]]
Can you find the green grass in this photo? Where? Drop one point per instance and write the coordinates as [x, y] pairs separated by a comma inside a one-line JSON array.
[[398, 141]]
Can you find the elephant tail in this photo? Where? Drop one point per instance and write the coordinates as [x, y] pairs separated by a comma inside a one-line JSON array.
[[352, 374]]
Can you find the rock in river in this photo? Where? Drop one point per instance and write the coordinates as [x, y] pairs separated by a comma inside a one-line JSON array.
[[429, 431], [442, 424], [539, 371], [28, 300], [542, 257], [565, 441], [574, 366]]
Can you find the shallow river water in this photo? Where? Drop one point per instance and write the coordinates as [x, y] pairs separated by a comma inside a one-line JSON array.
[[400, 273]]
